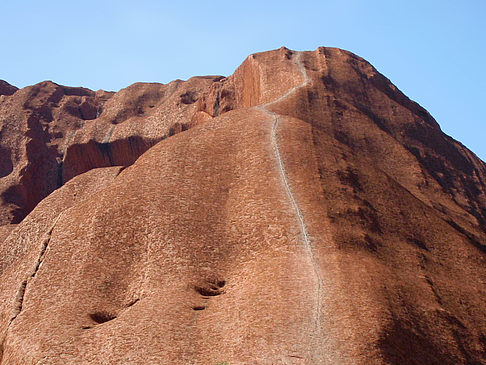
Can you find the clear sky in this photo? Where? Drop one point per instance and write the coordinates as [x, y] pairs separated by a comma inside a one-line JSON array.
[[434, 51]]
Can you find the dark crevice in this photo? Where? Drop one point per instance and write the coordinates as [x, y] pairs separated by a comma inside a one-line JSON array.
[[19, 300], [59, 174], [105, 149], [296, 356], [133, 302], [45, 244], [120, 171], [199, 308], [216, 104]]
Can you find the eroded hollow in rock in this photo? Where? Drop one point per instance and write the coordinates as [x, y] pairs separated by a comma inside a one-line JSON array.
[[211, 288], [102, 317]]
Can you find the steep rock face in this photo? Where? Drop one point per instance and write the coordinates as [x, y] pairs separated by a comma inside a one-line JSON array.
[[51, 133], [308, 213], [21, 260]]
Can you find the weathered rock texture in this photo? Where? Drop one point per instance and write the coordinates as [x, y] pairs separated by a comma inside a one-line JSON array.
[[303, 211]]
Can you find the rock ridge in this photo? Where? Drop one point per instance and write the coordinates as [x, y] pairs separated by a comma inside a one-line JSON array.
[[302, 210]]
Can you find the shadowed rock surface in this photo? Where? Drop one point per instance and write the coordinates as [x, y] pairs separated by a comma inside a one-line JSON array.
[[300, 211], [6, 88]]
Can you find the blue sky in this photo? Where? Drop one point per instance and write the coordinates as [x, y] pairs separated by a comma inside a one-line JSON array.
[[434, 51]]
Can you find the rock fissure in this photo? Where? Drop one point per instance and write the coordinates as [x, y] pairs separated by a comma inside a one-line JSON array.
[[19, 300]]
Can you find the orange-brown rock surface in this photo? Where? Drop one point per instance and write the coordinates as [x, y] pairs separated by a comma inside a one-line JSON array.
[[300, 211]]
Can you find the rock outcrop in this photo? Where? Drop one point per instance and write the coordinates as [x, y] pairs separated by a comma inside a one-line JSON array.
[[51, 133], [6, 88], [300, 211]]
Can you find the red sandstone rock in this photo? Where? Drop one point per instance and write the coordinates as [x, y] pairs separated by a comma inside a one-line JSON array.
[[303, 211], [51, 133]]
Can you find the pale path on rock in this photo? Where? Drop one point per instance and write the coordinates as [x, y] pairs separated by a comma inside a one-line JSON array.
[[298, 212]]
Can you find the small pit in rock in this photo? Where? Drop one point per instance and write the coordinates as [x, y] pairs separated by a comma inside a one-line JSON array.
[[211, 288], [199, 308], [102, 317]]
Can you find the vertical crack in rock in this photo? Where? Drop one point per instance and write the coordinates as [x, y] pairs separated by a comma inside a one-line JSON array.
[[105, 145], [19, 299], [60, 162], [217, 103], [298, 212]]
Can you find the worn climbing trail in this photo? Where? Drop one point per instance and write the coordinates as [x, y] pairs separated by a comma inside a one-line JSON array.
[[283, 175]]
